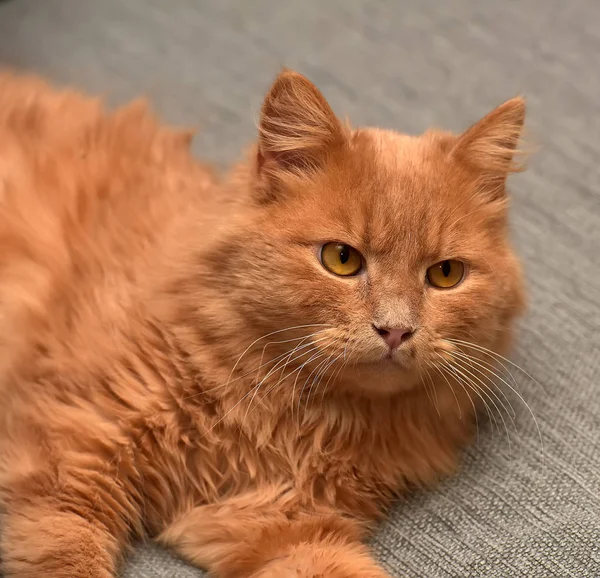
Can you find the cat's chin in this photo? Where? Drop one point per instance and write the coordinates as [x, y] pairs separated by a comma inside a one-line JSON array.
[[383, 377]]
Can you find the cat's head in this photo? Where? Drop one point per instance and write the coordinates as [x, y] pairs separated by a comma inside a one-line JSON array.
[[382, 246]]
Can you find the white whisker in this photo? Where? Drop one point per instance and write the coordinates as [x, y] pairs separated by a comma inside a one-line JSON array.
[[485, 390], [269, 335], [516, 392], [436, 368], [318, 369], [257, 370], [289, 356], [436, 405], [323, 374], [498, 358], [302, 340], [297, 370], [445, 369], [465, 382], [250, 392], [474, 362], [337, 373], [294, 388], [426, 388]]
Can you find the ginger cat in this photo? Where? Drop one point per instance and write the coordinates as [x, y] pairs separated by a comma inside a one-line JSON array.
[[246, 370]]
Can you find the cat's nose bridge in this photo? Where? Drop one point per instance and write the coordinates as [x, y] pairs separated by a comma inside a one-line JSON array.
[[396, 302], [397, 313]]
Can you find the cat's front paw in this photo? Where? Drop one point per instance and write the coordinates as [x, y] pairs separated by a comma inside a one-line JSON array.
[[312, 561]]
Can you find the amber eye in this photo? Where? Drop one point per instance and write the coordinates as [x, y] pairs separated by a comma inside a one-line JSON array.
[[446, 274], [341, 259]]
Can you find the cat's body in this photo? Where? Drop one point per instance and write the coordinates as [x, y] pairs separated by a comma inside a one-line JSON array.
[[142, 302]]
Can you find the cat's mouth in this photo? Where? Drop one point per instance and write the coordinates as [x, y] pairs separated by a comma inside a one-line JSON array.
[[398, 360], [389, 355]]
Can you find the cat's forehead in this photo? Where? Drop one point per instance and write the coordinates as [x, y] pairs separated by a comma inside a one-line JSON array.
[[387, 146], [396, 156], [396, 189], [401, 173]]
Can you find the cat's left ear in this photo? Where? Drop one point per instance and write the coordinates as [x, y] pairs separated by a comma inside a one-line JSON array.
[[489, 147], [297, 129]]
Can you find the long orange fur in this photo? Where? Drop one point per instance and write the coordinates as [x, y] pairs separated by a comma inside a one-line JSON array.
[[143, 300]]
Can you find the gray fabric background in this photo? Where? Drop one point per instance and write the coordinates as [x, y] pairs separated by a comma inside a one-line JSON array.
[[511, 511]]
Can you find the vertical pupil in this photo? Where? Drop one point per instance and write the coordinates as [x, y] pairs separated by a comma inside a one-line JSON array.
[[446, 267], [344, 254]]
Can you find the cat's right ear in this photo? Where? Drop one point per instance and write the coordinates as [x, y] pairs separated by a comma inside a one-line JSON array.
[[297, 129]]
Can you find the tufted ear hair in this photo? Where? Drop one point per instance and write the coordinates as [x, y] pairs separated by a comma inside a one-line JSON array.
[[489, 147], [297, 128]]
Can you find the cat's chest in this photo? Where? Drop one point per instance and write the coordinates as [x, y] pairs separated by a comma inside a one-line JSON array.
[[351, 457], [317, 464]]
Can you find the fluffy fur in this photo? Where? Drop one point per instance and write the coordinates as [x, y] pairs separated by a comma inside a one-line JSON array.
[[176, 363]]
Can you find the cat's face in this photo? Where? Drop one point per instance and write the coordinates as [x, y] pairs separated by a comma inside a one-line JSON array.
[[384, 247]]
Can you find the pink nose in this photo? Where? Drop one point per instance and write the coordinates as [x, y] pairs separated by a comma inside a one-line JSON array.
[[394, 336]]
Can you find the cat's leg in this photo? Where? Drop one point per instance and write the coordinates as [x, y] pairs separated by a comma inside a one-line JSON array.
[[40, 540], [255, 536], [66, 520]]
